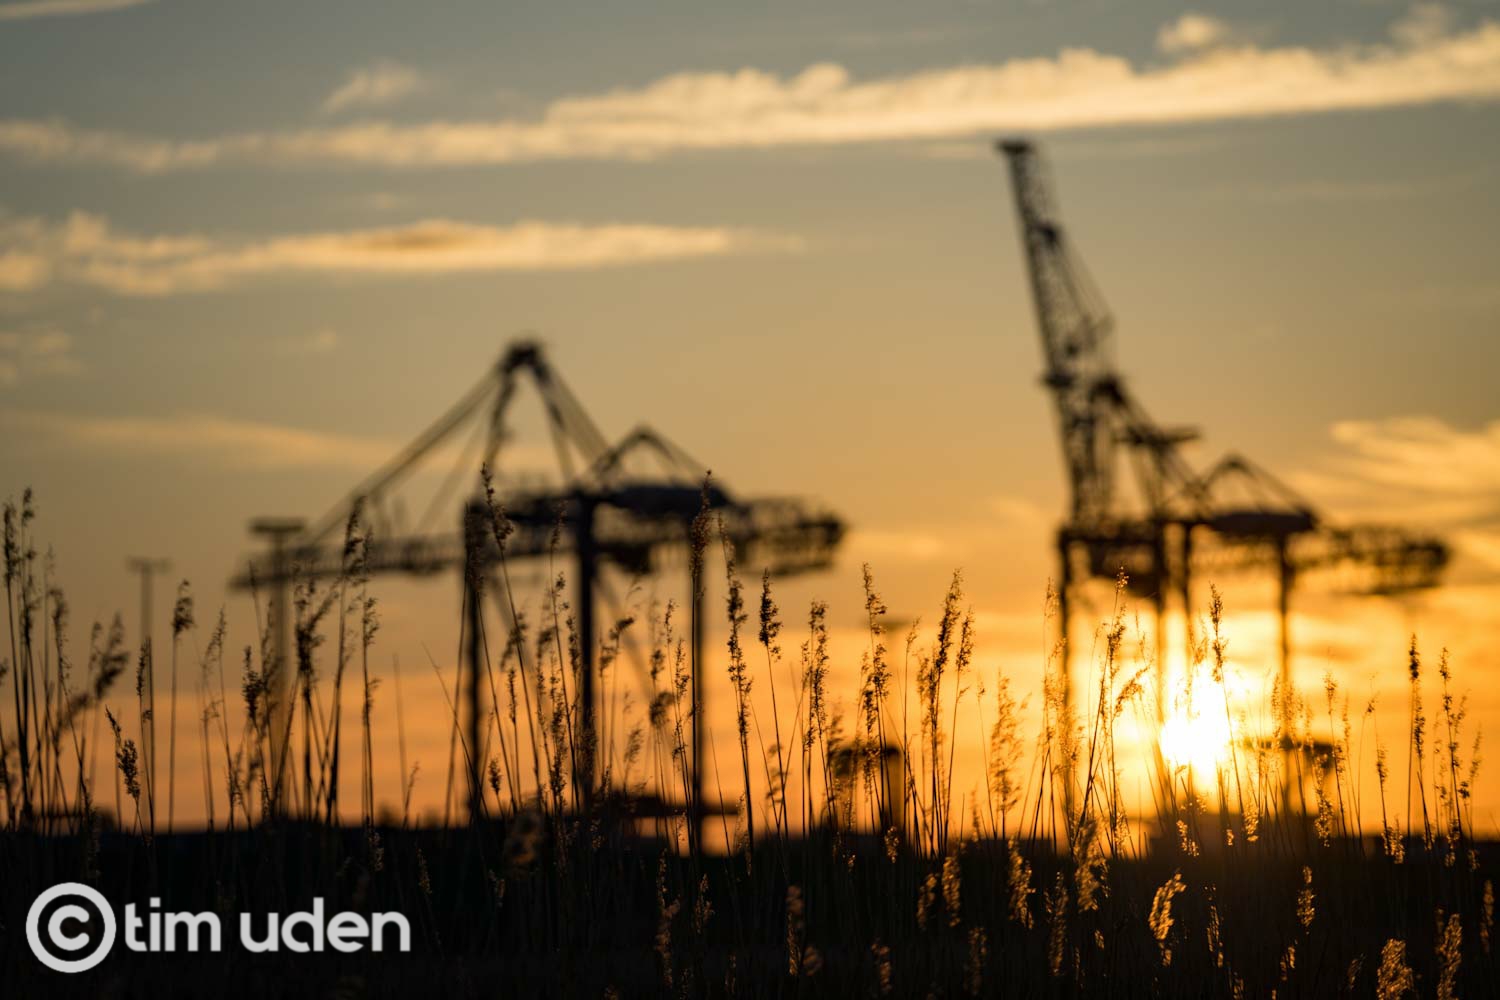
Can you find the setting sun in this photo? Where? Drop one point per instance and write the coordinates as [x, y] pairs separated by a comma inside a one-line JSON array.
[[1198, 740]]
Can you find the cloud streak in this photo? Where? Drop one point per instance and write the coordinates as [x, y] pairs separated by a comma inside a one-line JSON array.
[[29, 9], [1192, 31], [375, 86], [232, 443], [25, 354], [1420, 470], [1424, 455], [238, 443], [1214, 79], [86, 250]]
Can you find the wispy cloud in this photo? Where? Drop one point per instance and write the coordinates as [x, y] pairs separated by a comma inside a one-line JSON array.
[[1426, 455], [21, 271], [232, 443], [1192, 32], [30, 353], [1420, 470], [1218, 80], [28, 9], [237, 443], [1423, 24], [375, 86], [85, 249]]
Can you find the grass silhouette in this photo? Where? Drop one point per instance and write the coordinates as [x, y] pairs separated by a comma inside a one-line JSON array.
[[847, 859]]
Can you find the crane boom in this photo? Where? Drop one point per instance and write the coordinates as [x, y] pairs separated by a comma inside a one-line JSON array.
[[1074, 324]]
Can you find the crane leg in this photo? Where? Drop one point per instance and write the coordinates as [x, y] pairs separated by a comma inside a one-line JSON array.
[[1285, 580], [1064, 593], [695, 795], [278, 683], [1185, 582], [584, 768], [474, 695], [1159, 609]]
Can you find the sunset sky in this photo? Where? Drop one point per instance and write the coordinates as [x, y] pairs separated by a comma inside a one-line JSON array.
[[247, 251]]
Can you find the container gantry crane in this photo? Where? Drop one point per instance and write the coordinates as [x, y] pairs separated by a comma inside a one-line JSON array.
[[1236, 516], [607, 512]]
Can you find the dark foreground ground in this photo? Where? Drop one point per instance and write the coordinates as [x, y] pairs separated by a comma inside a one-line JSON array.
[[518, 912]]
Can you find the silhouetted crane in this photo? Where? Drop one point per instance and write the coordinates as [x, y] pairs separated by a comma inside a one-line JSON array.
[[1248, 517], [608, 511]]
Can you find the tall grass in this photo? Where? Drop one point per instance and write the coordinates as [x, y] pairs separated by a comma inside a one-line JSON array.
[[850, 852]]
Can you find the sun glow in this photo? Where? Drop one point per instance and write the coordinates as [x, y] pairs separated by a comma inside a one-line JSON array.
[[1196, 740]]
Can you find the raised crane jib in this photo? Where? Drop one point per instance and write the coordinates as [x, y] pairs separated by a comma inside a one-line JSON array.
[[576, 439], [1074, 323]]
